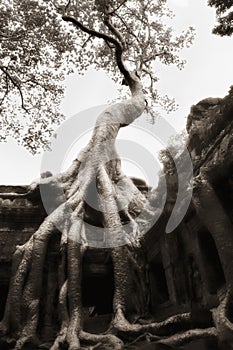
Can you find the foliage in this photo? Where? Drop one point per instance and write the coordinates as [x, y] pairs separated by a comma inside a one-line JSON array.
[[33, 61], [224, 12], [176, 146], [38, 49]]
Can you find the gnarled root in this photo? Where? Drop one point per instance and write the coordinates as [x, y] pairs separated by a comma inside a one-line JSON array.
[[186, 337], [223, 323], [120, 203], [22, 311]]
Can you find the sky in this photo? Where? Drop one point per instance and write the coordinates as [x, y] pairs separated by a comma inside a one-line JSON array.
[[208, 73]]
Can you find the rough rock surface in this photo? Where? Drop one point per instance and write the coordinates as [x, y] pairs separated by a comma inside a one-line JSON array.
[[185, 269]]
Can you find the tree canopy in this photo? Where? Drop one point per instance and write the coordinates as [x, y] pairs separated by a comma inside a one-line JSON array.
[[43, 41], [224, 12]]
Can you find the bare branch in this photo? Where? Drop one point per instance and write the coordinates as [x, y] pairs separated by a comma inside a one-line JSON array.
[[151, 77], [152, 57], [92, 31], [135, 14], [110, 46], [15, 84], [6, 91], [114, 31], [117, 8], [107, 38], [67, 5], [12, 37], [128, 29], [86, 41]]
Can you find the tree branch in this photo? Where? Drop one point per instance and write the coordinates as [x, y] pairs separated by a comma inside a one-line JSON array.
[[92, 31], [107, 38], [6, 91], [128, 29], [152, 57], [117, 8], [151, 77], [86, 41], [135, 14], [8, 37], [67, 5], [15, 84], [115, 32], [110, 46]]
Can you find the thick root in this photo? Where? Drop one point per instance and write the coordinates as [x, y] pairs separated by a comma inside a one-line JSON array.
[[104, 341], [186, 337], [223, 324], [88, 340], [120, 324], [60, 339], [119, 200]]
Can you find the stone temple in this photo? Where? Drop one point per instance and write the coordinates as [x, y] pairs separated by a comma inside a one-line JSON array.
[[187, 268]]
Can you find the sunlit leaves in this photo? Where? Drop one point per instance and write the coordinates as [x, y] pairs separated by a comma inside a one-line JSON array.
[[224, 12], [35, 55], [221, 5], [147, 39], [38, 49]]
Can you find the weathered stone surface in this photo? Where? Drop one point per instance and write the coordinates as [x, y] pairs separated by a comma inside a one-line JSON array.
[[20, 216], [189, 256], [210, 128], [184, 269]]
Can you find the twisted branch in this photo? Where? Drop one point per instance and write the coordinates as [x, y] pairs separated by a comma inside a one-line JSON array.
[[15, 84]]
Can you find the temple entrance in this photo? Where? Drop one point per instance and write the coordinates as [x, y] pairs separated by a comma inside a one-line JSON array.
[[97, 282], [212, 264], [4, 292], [4, 285], [158, 283]]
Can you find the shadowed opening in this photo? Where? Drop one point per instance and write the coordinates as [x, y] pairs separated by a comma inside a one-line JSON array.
[[215, 275], [97, 282], [158, 283]]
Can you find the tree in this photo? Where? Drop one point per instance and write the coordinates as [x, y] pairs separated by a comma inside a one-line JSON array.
[[38, 49], [224, 16], [33, 61], [111, 35]]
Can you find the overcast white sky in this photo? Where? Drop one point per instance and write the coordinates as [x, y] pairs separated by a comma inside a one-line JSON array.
[[208, 73]]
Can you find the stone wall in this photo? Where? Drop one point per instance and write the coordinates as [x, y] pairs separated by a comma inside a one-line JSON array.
[[193, 276], [184, 269], [20, 216]]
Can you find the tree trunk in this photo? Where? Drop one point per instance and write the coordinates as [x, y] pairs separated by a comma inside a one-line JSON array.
[[120, 202]]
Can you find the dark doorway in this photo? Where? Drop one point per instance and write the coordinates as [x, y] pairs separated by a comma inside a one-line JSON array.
[[158, 283], [223, 187], [214, 272], [5, 273], [98, 284], [3, 297]]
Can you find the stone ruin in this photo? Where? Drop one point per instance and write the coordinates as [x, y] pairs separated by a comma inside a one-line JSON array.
[[184, 268]]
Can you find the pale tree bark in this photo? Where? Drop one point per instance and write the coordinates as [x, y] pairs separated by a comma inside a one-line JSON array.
[[97, 163], [22, 312]]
